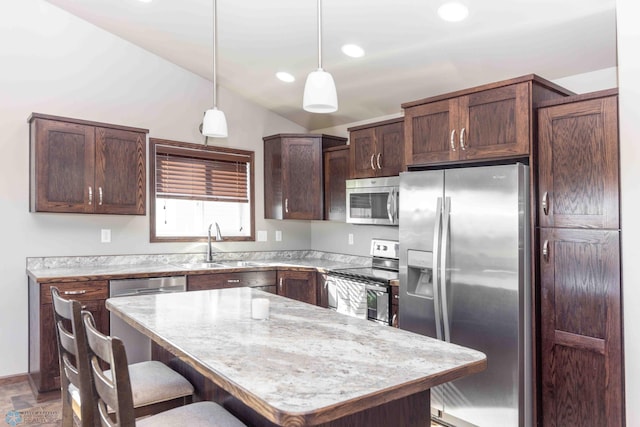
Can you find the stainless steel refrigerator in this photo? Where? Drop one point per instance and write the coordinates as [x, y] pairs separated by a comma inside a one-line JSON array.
[[465, 279]]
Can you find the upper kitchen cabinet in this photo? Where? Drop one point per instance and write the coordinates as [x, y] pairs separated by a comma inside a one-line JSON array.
[[79, 166], [578, 164], [293, 181], [489, 122], [377, 149], [336, 173]]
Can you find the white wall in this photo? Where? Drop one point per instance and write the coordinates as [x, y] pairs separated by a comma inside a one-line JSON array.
[[629, 102], [54, 63]]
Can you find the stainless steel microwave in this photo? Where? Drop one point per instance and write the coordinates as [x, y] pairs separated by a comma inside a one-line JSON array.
[[373, 200]]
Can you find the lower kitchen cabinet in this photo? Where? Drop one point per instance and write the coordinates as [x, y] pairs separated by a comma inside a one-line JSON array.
[[581, 329], [395, 306], [44, 370], [263, 280], [300, 285]]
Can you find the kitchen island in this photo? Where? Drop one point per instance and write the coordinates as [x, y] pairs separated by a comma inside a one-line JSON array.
[[305, 365]]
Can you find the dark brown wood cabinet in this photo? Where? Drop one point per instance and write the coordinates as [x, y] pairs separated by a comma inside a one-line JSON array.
[[79, 166], [263, 280], [377, 149], [293, 178], [581, 357], [44, 370], [336, 173], [300, 285], [489, 122]]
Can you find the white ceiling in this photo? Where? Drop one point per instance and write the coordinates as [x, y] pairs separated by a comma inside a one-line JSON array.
[[410, 53]]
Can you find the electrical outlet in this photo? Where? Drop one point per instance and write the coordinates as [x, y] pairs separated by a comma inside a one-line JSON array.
[[351, 238], [278, 236], [262, 235], [105, 235]]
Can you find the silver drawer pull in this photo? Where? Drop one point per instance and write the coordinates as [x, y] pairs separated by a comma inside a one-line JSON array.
[[233, 281], [100, 196], [81, 292], [545, 203], [396, 297]]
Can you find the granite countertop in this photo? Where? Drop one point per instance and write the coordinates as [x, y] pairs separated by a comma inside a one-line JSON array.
[[303, 360], [51, 269]]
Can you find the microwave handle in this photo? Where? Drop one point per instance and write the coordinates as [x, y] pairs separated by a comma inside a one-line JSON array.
[[391, 206]]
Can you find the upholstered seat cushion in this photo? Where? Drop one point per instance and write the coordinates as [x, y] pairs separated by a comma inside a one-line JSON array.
[[153, 382], [201, 414]]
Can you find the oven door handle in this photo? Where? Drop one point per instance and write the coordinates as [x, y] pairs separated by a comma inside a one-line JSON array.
[[375, 287]]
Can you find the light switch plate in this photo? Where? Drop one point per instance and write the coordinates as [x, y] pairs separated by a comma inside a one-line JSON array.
[[262, 235], [351, 238], [278, 236], [105, 235]]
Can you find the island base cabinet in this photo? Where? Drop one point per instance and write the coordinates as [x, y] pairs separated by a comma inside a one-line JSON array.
[[411, 411], [299, 285], [581, 328]]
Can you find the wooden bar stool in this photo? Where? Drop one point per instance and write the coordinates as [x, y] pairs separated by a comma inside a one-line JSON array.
[[114, 391], [155, 386]]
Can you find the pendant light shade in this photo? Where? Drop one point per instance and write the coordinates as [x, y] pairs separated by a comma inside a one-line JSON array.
[[320, 94], [215, 123]]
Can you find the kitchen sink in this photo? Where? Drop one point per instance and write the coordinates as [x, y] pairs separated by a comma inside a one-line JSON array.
[[202, 265], [240, 264]]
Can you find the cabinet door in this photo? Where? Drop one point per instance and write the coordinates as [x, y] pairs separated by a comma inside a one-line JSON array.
[[581, 328], [495, 123], [390, 149], [363, 153], [198, 282], [430, 132], [336, 172], [120, 172], [298, 285], [62, 156], [578, 166], [302, 178]]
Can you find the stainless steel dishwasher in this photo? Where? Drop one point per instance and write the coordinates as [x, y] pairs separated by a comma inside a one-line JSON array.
[[138, 346]]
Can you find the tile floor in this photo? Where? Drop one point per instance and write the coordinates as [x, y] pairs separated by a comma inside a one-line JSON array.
[[19, 408]]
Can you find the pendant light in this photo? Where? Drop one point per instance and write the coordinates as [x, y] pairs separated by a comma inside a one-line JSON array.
[[214, 123], [320, 90]]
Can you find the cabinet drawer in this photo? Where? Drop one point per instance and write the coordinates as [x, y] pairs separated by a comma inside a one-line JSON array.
[[231, 280], [81, 291]]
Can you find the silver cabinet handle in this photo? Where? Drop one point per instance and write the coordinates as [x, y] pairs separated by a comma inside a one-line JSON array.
[[545, 250], [545, 203], [280, 285], [81, 292], [394, 321], [90, 195], [462, 144], [372, 166], [286, 205], [453, 140], [100, 196], [378, 161], [233, 280]]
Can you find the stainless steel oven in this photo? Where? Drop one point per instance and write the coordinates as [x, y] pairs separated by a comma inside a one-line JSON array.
[[373, 200], [365, 292]]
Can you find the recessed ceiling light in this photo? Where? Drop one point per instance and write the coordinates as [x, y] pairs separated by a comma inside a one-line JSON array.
[[285, 77], [453, 11], [145, 1], [353, 50]]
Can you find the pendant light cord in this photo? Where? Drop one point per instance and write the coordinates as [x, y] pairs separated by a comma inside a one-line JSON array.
[[320, 34], [215, 28]]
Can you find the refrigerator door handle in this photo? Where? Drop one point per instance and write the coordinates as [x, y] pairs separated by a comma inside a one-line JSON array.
[[437, 228], [443, 267]]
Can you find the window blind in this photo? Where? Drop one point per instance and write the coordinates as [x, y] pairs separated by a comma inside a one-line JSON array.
[[201, 175]]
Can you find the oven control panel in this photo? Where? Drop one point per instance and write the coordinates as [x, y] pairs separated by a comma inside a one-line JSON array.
[[384, 248]]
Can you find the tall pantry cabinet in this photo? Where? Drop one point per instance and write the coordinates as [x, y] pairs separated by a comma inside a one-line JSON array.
[[581, 360]]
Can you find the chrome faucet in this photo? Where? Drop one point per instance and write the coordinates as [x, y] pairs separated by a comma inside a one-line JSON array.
[[218, 238]]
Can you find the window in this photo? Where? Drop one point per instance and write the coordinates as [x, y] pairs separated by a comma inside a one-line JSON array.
[[194, 186]]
